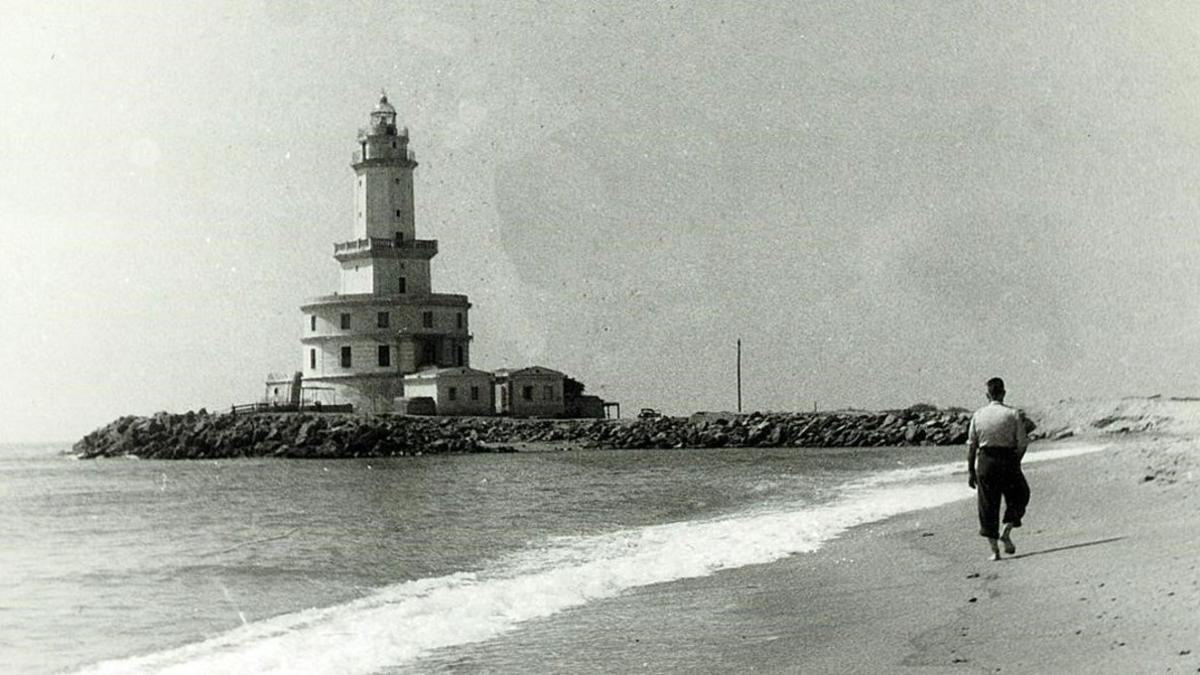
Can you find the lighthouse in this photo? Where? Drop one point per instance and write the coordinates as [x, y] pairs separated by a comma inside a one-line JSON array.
[[384, 321]]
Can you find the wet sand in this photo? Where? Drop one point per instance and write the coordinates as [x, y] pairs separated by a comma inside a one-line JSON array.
[[1106, 580]]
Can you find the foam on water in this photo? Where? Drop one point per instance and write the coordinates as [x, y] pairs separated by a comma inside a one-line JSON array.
[[400, 623]]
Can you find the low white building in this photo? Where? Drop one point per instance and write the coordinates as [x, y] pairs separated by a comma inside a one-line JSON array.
[[529, 392], [454, 391]]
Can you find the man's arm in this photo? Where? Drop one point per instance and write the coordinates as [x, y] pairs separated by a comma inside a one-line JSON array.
[[1022, 435], [972, 448]]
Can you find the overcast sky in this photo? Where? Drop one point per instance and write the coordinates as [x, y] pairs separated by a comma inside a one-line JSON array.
[[887, 202]]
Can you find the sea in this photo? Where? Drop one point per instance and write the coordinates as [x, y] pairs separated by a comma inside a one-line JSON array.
[[403, 565]]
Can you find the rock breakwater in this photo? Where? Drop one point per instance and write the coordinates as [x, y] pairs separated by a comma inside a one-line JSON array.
[[204, 435]]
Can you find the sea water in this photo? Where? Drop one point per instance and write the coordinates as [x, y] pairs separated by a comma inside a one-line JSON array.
[[383, 565]]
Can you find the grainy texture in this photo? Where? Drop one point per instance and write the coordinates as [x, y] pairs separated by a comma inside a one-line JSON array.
[[1105, 580]]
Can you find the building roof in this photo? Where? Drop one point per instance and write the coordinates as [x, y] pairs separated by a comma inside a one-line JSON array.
[[530, 370], [455, 371]]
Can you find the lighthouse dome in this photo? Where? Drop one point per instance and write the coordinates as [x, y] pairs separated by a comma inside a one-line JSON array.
[[384, 107]]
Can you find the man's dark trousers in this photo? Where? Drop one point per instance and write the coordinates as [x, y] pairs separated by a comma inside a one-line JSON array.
[[998, 474]]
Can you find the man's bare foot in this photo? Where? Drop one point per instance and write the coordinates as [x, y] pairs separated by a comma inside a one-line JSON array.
[[995, 548], [1009, 547]]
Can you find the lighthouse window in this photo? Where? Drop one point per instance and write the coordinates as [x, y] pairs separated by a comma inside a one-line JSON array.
[[345, 322], [312, 359], [346, 357], [458, 355], [312, 323], [403, 285], [384, 320], [397, 213], [459, 319], [427, 319], [397, 181], [385, 355], [393, 144]]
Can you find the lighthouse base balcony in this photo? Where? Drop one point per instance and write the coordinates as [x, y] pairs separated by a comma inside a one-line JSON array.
[[381, 247]]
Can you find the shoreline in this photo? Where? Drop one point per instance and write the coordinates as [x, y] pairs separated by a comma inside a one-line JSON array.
[[915, 593]]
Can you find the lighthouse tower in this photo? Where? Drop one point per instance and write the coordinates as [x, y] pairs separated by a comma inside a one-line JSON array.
[[385, 321]]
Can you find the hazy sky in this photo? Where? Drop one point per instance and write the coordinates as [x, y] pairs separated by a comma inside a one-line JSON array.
[[887, 202]]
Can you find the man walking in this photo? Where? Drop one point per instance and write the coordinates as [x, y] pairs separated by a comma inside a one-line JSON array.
[[996, 442]]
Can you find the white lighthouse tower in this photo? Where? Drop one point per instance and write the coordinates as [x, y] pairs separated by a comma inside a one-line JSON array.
[[385, 321]]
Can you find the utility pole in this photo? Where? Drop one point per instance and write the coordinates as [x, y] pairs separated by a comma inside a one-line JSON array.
[[739, 374]]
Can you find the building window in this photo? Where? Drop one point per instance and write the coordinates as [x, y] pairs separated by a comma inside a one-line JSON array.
[[399, 237], [458, 355], [397, 181], [385, 356], [393, 145], [345, 322], [548, 392], [475, 393], [452, 393], [527, 392], [312, 359], [312, 323], [427, 319], [346, 357], [383, 320], [459, 319], [504, 396], [403, 285], [397, 213]]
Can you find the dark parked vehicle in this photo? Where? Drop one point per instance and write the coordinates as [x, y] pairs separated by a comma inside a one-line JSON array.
[[649, 414]]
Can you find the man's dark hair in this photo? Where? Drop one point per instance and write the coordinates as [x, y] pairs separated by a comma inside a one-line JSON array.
[[995, 387]]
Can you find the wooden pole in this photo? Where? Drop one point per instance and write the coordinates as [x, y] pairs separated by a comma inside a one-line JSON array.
[[739, 374]]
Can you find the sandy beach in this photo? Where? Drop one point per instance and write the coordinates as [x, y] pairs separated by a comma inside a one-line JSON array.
[[1105, 580]]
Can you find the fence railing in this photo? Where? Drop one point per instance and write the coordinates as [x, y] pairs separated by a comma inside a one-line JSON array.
[[315, 406], [357, 156], [385, 243]]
